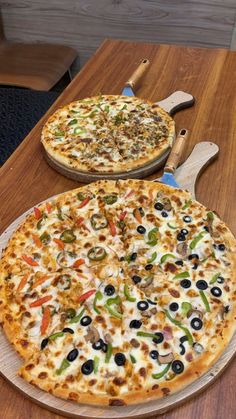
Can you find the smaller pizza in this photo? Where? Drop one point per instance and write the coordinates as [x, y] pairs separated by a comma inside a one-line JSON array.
[[118, 292], [108, 134]]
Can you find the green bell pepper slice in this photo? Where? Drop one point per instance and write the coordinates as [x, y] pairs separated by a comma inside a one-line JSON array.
[[77, 318], [152, 238], [205, 300], [214, 278], [152, 258], [108, 353], [55, 335], [173, 227], [64, 365], [166, 256], [185, 307], [79, 130], [146, 335], [195, 241], [73, 122], [111, 310], [187, 204], [133, 359], [59, 134], [179, 324], [162, 373], [182, 275], [95, 364], [210, 216], [127, 294], [110, 199], [98, 296]]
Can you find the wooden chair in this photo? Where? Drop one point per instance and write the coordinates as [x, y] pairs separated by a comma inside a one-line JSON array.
[[35, 66]]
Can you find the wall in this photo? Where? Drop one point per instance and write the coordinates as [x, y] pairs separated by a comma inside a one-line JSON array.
[[84, 24]]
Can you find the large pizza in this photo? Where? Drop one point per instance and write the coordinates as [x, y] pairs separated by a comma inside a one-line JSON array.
[[109, 134], [118, 292]]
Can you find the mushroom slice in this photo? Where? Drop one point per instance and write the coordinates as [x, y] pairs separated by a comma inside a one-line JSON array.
[[167, 204], [165, 359], [92, 335], [108, 338], [147, 283], [182, 248], [147, 314], [194, 311]]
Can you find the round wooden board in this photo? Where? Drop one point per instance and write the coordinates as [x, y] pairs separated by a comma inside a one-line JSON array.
[[87, 177], [10, 362]]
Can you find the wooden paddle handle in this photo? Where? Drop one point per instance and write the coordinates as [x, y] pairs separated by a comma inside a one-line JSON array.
[[138, 74], [176, 151]]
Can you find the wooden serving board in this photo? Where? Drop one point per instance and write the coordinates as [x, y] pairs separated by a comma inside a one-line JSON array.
[[10, 361], [173, 103]]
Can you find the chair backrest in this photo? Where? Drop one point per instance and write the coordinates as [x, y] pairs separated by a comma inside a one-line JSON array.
[[2, 37]]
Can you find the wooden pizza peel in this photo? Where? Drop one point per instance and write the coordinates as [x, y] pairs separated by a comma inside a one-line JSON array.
[[202, 154], [172, 104]]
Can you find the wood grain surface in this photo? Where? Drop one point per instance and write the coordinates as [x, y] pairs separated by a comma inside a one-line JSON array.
[[209, 75], [83, 24], [37, 67]]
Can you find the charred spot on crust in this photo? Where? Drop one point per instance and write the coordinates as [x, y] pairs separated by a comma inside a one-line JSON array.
[[143, 372], [92, 382], [29, 367], [165, 391], [119, 381], [24, 343], [9, 318], [42, 375], [117, 402], [73, 396]]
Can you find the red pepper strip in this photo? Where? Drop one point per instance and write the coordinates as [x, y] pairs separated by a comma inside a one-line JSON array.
[[45, 320], [112, 228], [22, 283], [40, 281], [79, 220], [37, 213], [49, 207], [29, 260], [59, 243], [86, 295], [41, 301], [84, 202], [129, 193], [122, 215], [37, 240], [138, 215], [78, 262]]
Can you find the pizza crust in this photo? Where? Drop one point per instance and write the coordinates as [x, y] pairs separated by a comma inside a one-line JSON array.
[[108, 165]]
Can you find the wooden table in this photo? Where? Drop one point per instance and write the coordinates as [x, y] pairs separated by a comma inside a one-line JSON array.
[[210, 75]]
